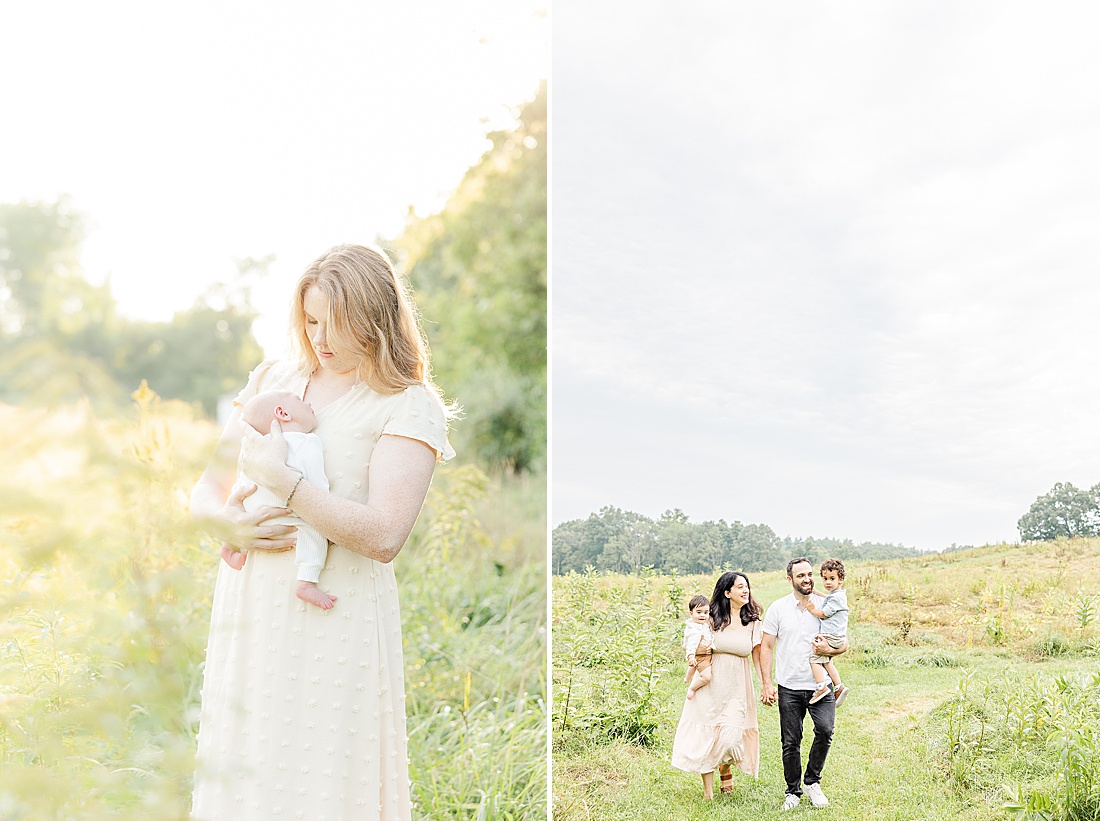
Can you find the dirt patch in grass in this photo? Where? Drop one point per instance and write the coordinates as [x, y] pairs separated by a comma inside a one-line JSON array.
[[914, 708]]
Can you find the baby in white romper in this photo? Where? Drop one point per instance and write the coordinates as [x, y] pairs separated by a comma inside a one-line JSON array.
[[306, 455], [698, 644]]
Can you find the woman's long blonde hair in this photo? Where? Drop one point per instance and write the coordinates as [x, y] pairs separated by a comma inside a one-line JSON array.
[[372, 317]]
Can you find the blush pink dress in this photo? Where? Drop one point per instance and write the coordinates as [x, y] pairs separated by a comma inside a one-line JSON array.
[[718, 726]]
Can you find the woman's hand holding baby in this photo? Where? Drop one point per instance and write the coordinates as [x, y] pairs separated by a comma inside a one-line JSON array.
[[248, 530], [263, 458]]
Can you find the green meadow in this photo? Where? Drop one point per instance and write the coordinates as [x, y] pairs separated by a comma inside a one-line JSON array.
[[975, 693], [105, 605]]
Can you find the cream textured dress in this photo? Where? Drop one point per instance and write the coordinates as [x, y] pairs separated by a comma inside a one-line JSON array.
[[718, 726], [303, 709]]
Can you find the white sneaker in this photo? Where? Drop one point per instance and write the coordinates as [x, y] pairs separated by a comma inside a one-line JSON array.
[[816, 795], [791, 801]]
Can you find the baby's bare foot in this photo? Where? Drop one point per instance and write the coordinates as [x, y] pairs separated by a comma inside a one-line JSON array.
[[234, 558], [691, 694], [310, 592]]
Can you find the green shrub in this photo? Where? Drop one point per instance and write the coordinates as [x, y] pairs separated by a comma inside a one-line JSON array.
[[611, 647], [1051, 645]]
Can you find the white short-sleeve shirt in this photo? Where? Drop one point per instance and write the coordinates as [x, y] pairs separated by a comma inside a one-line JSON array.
[[794, 630]]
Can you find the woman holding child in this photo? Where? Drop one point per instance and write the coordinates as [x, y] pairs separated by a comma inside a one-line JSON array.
[[718, 727], [303, 712]]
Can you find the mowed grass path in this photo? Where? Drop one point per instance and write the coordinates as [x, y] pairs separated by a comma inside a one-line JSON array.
[[889, 756]]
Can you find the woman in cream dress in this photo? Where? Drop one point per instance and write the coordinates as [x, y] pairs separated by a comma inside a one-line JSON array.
[[718, 728], [303, 713]]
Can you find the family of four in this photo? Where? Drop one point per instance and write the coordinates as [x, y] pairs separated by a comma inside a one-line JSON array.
[[729, 636]]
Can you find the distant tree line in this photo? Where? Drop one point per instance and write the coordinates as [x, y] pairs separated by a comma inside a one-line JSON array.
[[1064, 512], [623, 542], [61, 337]]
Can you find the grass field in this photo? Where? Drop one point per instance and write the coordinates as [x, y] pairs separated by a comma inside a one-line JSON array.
[[104, 612], [973, 674]]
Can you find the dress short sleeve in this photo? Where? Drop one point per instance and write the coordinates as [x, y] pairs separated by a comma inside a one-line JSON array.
[[757, 632], [419, 415], [255, 380]]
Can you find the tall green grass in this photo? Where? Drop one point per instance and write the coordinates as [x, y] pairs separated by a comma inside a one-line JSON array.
[[104, 612]]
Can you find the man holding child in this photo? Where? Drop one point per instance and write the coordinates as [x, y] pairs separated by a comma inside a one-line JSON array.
[[791, 633]]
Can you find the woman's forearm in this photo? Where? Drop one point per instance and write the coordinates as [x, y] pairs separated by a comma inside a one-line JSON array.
[[400, 473], [207, 499], [211, 491], [350, 524]]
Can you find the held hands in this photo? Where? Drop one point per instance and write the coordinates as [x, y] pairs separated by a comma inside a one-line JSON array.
[[246, 531], [768, 695]]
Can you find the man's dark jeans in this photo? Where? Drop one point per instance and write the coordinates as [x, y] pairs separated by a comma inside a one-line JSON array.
[[793, 705]]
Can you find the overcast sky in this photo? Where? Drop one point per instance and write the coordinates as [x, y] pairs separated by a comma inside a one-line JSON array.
[[828, 267], [196, 134]]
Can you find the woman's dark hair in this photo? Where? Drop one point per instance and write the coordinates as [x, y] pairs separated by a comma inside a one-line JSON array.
[[720, 605]]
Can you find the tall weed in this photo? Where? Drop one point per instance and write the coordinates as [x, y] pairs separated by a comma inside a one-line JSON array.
[[1037, 742], [612, 644], [105, 609]]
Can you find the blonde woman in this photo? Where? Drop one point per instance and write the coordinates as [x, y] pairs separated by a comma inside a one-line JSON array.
[[303, 710]]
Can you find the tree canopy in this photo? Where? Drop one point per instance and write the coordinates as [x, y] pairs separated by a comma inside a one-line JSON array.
[[1064, 512]]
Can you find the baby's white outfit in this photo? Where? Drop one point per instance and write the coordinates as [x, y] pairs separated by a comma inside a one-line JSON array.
[[693, 634], [306, 455]]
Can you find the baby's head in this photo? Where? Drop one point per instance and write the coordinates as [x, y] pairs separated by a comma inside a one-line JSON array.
[[293, 413], [699, 607], [832, 574]]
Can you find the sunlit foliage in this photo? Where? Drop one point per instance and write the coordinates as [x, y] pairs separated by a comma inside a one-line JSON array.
[[62, 339], [479, 270], [105, 611]]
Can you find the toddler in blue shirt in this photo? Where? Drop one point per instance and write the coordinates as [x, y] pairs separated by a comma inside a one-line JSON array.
[[834, 629]]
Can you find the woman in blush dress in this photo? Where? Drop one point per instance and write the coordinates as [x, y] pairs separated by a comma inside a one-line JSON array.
[[718, 728], [303, 709]]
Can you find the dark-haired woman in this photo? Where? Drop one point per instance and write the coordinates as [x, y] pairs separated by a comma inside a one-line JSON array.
[[718, 727]]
